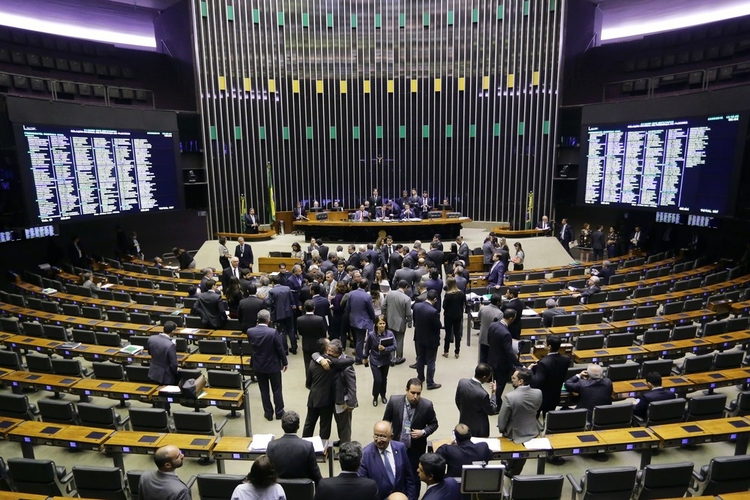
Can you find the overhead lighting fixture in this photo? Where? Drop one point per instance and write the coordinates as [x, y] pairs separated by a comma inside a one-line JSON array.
[[668, 23], [84, 32]]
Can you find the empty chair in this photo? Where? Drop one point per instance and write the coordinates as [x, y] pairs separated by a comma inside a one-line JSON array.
[[17, 406], [146, 284], [668, 411], [733, 324], [109, 339], [84, 336], [623, 314], [140, 340], [538, 275], [193, 322], [661, 288], [722, 360], [92, 312], [33, 329], [108, 371], [706, 407], [586, 342], [620, 339], [228, 380], [564, 320], [662, 366], [134, 479], [664, 481], [615, 295], [693, 305], [105, 294], [131, 282], [598, 298], [646, 311], [681, 286], [581, 283], [39, 364], [55, 332], [182, 345], [121, 296], [568, 300], [714, 328], [560, 421], [165, 301], [69, 367], [105, 417], [633, 276], [220, 486], [144, 299], [591, 318], [529, 288], [212, 347], [696, 364], [117, 315], [651, 273], [42, 477], [71, 309], [100, 482], [528, 322], [10, 360], [49, 306], [548, 487], [672, 308], [10, 325], [191, 422], [560, 273], [140, 318], [657, 336], [612, 416], [57, 411], [612, 483], [624, 371], [178, 320], [166, 285], [684, 332], [189, 302], [138, 373], [577, 271], [149, 420], [642, 292], [740, 406], [549, 287], [721, 475]]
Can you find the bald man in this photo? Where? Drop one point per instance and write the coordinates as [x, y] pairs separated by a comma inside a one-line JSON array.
[[163, 484]]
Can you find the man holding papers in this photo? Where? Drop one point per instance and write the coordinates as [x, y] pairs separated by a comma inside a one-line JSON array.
[[517, 419]]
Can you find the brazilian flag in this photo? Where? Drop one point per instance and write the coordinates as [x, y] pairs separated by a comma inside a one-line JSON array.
[[271, 203]]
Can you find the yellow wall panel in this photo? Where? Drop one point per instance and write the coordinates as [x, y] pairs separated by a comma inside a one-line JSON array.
[[414, 85], [342, 86], [295, 86], [535, 78], [485, 82], [222, 83], [246, 84], [462, 84], [391, 86], [438, 85], [271, 85], [319, 86], [511, 80], [366, 86]]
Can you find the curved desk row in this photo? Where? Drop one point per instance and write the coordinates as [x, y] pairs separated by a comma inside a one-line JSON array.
[[367, 232]]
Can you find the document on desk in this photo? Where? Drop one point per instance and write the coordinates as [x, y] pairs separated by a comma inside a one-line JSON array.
[[493, 443], [538, 444], [315, 440], [260, 442], [189, 330], [171, 389]]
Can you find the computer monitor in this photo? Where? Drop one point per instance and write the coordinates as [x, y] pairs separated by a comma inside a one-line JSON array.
[[477, 479]]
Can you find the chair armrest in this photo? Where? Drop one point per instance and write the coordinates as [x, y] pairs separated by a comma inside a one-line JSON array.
[[577, 489], [125, 422], [698, 475], [638, 420], [34, 409], [220, 427], [67, 479], [676, 370], [248, 382], [85, 372], [191, 481]]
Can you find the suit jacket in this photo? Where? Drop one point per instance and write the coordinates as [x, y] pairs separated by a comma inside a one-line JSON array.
[[211, 308], [487, 251], [565, 235], [226, 275], [657, 394], [500, 356], [447, 489], [268, 351], [424, 418], [474, 406], [588, 292], [517, 419], [426, 324], [464, 253], [496, 275], [590, 392], [397, 311], [487, 315], [460, 454], [437, 257], [548, 376], [394, 264], [372, 466], [598, 241], [293, 458], [311, 328], [604, 275], [321, 383], [360, 310], [280, 301], [163, 367], [548, 314], [322, 306], [245, 254], [408, 275], [156, 484], [251, 223], [517, 305], [347, 485], [247, 311]]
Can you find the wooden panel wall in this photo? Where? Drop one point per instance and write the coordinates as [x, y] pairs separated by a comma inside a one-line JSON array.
[[458, 98]]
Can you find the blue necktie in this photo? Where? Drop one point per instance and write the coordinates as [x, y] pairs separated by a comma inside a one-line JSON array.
[[388, 469]]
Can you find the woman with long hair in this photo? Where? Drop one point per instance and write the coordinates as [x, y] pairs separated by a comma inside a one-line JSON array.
[[234, 295], [584, 243], [260, 483], [454, 304], [297, 252], [519, 257], [378, 348]]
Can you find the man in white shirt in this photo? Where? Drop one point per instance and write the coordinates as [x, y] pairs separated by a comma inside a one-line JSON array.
[[386, 462]]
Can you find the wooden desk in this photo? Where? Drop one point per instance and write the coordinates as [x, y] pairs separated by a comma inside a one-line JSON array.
[[701, 315], [634, 325], [730, 429], [518, 233], [678, 347], [607, 355], [740, 308], [82, 438], [575, 330], [7, 424], [532, 333], [259, 236], [114, 389], [148, 291], [576, 443], [144, 443], [20, 342], [31, 432], [152, 309], [191, 445], [90, 352], [608, 306], [144, 276], [728, 340], [683, 433], [368, 231], [232, 398], [720, 378], [508, 451], [210, 361], [631, 439], [630, 388], [126, 329], [14, 495], [271, 264], [44, 381], [238, 448]]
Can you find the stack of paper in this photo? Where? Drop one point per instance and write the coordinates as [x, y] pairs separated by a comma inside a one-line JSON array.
[[132, 349], [260, 442], [493, 443], [172, 389], [538, 444], [316, 441]]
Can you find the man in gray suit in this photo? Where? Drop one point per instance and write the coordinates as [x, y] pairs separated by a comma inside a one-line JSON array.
[[474, 404], [407, 274], [163, 352], [551, 311], [397, 312], [163, 484], [517, 419]]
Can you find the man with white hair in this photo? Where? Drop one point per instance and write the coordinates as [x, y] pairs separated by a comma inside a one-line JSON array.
[[551, 311], [592, 387], [592, 287]]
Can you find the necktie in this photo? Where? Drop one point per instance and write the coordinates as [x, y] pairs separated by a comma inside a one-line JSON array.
[[236, 272], [388, 469]]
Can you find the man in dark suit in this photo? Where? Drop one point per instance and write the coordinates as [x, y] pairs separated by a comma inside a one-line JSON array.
[[208, 274], [431, 471], [408, 212], [268, 361], [592, 387], [598, 243], [474, 404], [517, 305], [637, 238], [251, 222], [248, 309], [565, 235], [299, 212], [234, 270], [395, 259], [244, 252], [463, 249], [606, 272], [281, 303], [427, 337], [361, 316], [406, 273], [437, 256], [592, 287], [462, 451], [551, 311], [348, 484], [545, 226], [386, 462], [655, 393], [164, 484], [375, 201], [413, 419], [501, 357], [549, 374], [210, 307], [496, 276], [321, 382], [311, 328], [292, 456], [163, 352]]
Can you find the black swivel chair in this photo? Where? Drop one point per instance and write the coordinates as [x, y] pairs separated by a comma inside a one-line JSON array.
[[624, 371], [623, 314], [620, 340], [611, 416], [662, 366], [646, 311], [722, 360], [212, 347], [669, 411], [298, 489], [548, 487], [84, 336], [134, 480], [684, 332], [58, 412], [657, 336], [587, 342], [17, 406], [564, 320], [100, 482], [612, 483], [38, 364], [150, 420], [218, 486], [672, 308], [10, 360], [721, 475], [695, 364], [41, 477], [591, 318], [663, 481], [740, 407], [117, 315], [561, 421], [33, 329], [138, 373], [105, 417], [706, 407], [109, 339]]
